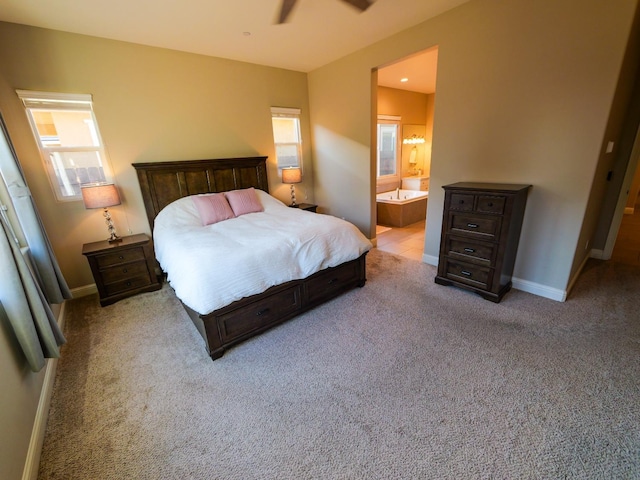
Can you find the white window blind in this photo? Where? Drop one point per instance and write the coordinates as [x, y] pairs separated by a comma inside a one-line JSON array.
[[286, 136], [66, 131]]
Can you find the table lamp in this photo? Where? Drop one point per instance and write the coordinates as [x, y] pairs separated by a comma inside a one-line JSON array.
[[291, 176], [102, 195]]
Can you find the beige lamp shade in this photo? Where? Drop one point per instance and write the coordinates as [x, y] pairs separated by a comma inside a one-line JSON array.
[[100, 195], [291, 175]]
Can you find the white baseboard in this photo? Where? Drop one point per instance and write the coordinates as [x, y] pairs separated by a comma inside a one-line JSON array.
[[84, 291], [430, 259], [538, 289], [32, 462]]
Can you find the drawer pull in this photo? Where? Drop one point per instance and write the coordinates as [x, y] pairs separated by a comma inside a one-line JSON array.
[[128, 284], [464, 272], [469, 250], [460, 202], [120, 257], [490, 204], [472, 225], [262, 312], [332, 281], [124, 270]]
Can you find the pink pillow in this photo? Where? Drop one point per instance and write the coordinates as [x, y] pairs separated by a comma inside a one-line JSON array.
[[244, 201], [213, 208]]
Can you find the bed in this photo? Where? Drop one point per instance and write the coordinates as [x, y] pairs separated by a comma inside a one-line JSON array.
[[225, 313]]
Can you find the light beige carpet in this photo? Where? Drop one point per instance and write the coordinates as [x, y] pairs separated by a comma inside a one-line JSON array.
[[402, 379]]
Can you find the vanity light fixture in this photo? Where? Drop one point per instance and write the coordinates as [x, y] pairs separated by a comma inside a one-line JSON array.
[[102, 195], [291, 176], [413, 140]]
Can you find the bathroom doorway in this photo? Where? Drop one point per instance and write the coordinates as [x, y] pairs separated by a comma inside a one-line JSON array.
[[406, 92]]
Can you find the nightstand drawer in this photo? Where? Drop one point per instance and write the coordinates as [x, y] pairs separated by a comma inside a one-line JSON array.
[[124, 272], [480, 226], [474, 275], [121, 256], [127, 284], [471, 250]]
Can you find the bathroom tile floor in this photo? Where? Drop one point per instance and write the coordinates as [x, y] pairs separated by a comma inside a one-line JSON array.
[[407, 241]]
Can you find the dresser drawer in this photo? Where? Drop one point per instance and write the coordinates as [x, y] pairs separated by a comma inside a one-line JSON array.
[[245, 320], [461, 202], [127, 284], [470, 250], [123, 272], [121, 256], [490, 204], [469, 274], [480, 226]]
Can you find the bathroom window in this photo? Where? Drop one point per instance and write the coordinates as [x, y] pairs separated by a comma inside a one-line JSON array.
[[67, 134], [286, 136], [388, 164]]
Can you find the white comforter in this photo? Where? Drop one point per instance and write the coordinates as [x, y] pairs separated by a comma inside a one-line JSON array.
[[210, 267]]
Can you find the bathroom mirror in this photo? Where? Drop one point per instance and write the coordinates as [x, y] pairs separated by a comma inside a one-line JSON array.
[[413, 149]]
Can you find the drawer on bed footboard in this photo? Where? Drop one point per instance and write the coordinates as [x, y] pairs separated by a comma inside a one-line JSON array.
[[255, 316], [331, 280]]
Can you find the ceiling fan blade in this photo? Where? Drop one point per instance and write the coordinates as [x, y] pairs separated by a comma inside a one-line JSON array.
[[361, 5], [285, 10]]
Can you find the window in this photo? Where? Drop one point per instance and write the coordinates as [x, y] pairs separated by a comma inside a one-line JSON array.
[[286, 136], [67, 134], [388, 164]]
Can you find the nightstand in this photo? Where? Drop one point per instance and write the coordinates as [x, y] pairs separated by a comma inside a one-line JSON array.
[[122, 269], [308, 207]]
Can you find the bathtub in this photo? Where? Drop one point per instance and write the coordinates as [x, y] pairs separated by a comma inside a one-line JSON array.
[[399, 208]]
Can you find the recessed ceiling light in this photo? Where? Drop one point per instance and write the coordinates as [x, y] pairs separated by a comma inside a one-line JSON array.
[[403, 80]]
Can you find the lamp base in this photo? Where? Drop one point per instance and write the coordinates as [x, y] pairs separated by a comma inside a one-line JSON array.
[[113, 237]]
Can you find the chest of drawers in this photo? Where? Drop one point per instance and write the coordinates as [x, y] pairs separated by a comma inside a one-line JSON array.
[[122, 269], [480, 233]]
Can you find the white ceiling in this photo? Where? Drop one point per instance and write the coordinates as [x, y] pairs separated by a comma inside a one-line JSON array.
[[419, 70], [318, 31]]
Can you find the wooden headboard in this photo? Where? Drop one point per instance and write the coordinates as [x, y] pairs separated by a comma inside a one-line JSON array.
[[164, 182]]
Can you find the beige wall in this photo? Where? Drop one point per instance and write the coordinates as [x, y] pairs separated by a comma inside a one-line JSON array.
[[411, 106], [152, 105], [18, 404], [524, 94]]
